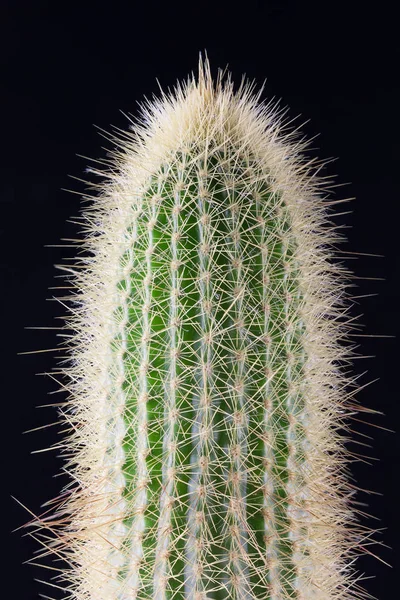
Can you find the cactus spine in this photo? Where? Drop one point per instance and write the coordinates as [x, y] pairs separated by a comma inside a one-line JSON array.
[[205, 393]]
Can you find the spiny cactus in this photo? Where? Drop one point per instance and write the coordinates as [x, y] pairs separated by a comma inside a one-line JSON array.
[[205, 379]]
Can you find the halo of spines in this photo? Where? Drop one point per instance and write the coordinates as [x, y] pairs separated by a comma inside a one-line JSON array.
[[206, 396]]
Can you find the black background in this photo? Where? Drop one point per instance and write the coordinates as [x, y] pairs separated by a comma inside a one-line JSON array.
[[65, 67]]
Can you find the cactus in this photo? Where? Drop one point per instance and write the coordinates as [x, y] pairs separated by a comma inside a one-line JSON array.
[[206, 388]]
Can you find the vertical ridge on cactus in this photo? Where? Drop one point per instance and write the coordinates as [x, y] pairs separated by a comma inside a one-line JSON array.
[[206, 388]]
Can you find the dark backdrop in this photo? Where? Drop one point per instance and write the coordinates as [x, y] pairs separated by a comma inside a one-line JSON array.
[[65, 67]]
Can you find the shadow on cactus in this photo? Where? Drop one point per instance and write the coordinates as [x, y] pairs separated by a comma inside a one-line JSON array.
[[207, 394]]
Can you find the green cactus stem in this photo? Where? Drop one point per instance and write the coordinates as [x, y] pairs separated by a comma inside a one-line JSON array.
[[206, 395]]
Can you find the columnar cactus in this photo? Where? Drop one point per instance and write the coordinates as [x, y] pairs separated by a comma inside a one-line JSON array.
[[206, 392]]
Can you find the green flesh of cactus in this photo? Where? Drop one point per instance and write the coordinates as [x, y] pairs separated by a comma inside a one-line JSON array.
[[206, 394], [213, 348], [216, 354]]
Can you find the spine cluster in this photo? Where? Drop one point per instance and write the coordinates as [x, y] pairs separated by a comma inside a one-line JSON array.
[[206, 393]]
